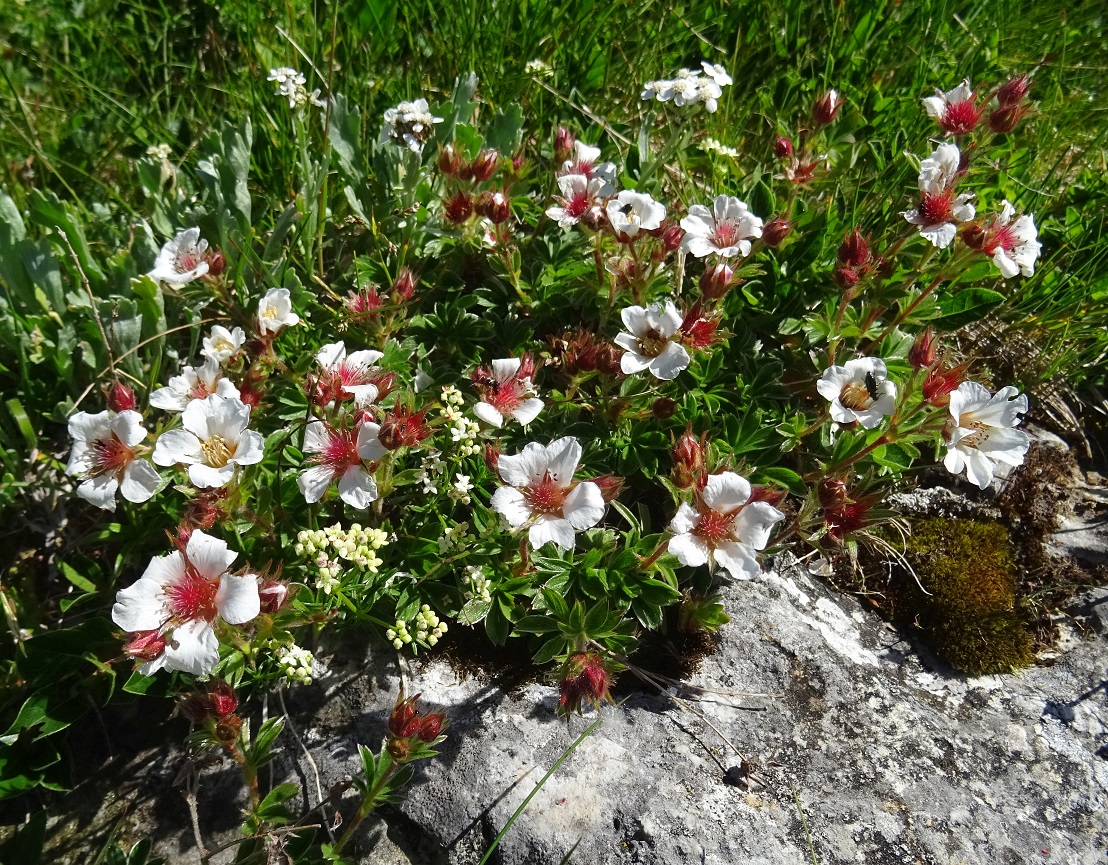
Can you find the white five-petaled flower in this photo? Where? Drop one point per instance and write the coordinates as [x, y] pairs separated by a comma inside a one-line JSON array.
[[193, 383], [956, 110], [181, 259], [981, 431], [507, 391], [725, 527], [585, 161], [180, 597], [579, 196], [542, 492], [213, 443], [1013, 246], [940, 209], [858, 391], [339, 456], [223, 343], [629, 212], [716, 72], [348, 373], [103, 452], [725, 230], [409, 125], [649, 342], [275, 311]]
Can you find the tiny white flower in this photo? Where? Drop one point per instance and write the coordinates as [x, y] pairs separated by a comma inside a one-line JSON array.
[[649, 342], [717, 73], [103, 453], [538, 68], [181, 596], [193, 383], [629, 212], [223, 343], [981, 431], [409, 125], [725, 230], [541, 493], [159, 151], [725, 528], [1013, 246], [859, 391], [213, 443], [181, 259], [275, 311], [940, 209]]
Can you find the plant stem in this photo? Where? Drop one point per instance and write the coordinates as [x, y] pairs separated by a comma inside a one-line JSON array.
[[368, 803]]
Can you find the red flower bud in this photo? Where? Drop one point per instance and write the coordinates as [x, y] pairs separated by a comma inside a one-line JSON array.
[[145, 645], [776, 230], [363, 304], [698, 331], [689, 468], [216, 263], [564, 142], [923, 352], [585, 678], [403, 427], [403, 288], [458, 207], [854, 250], [519, 162], [942, 381], [431, 726], [404, 719], [782, 147], [832, 493], [663, 408], [849, 517], [121, 397], [608, 356], [772, 495], [450, 161], [610, 486], [385, 382], [204, 510], [672, 235], [1013, 92], [251, 393], [492, 458], [826, 108], [846, 277], [273, 594], [1005, 118], [484, 166], [494, 206], [715, 280]]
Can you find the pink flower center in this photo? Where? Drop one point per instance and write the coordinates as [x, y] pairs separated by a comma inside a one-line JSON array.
[[187, 260], [725, 234], [354, 374], [109, 456], [714, 527], [960, 117], [200, 389], [577, 205], [506, 396], [193, 597], [547, 496], [937, 209], [1001, 237], [340, 452]]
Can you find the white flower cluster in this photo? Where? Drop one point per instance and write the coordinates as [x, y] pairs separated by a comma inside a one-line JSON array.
[[296, 665], [409, 125], [461, 489], [455, 537], [463, 431], [159, 151], [428, 629], [690, 87], [431, 466], [290, 84], [712, 145], [538, 68], [478, 584], [327, 546]]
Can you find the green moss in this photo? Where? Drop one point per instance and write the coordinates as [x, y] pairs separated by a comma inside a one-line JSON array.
[[970, 615]]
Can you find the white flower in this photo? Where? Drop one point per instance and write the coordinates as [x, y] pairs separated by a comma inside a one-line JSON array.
[[348, 374], [712, 145], [716, 72], [858, 391], [160, 152], [542, 492], [103, 452], [275, 311], [1013, 246], [683, 90], [339, 456], [724, 230], [631, 211], [981, 431], [725, 527], [940, 209], [181, 595], [507, 391], [538, 68], [579, 196], [585, 161], [955, 111], [181, 259], [290, 84], [193, 383], [213, 443], [223, 343], [409, 125], [649, 343]]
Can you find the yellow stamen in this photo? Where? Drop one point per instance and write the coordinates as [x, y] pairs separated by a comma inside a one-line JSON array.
[[216, 452]]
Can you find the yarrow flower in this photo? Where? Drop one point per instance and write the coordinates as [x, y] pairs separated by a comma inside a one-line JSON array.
[[541, 493], [507, 390], [290, 84], [859, 391], [340, 456], [174, 606], [690, 87], [629, 212], [409, 124], [296, 664], [956, 111], [222, 344], [725, 230], [981, 431], [1012, 245], [725, 527], [939, 208], [213, 442], [104, 454], [538, 68], [650, 342], [342, 374], [275, 311], [193, 383], [181, 259]]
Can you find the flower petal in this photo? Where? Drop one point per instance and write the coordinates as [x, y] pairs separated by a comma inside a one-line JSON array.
[[100, 491], [193, 648], [140, 481], [691, 550], [726, 492], [755, 523], [313, 483], [210, 556], [237, 598], [357, 488], [563, 456], [510, 503], [738, 560], [488, 414], [668, 365], [521, 469], [548, 529], [584, 506], [369, 442], [527, 410]]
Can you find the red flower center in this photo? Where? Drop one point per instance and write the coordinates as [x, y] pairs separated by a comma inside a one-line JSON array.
[[187, 261], [1001, 237], [960, 117], [937, 209], [340, 452], [193, 597], [547, 496], [714, 527], [725, 234], [109, 456]]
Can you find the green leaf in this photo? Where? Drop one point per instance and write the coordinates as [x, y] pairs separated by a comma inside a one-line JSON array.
[[344, 134], [82, 583], [549, 650], [536, 625], [968, 305], [504, 131]]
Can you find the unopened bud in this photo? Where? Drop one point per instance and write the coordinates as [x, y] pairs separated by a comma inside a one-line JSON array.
[[484, 165], [272, 594], [519, 162], [689, 468], [924, 351], [585, 678], [715, 280], [492, 458], [404, 287], [216, 263], [564, 142], [450, 161], [846, 277], [458, 207], [431, 726], [832, 493], [399, 749], [941, 382], [121, 397], [494, 206], [672, 235], [771, 495], [610, 486], [145, 645], [782, 147], [854, 250], [1005, 118], [663, 408], [1013, 92], [776, 230], [404, 719], [826, 108]]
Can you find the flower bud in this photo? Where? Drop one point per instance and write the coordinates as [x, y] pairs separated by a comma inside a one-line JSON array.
[[403, 289], [519, 162], [715, 280], [826, 108], [854, 250], [776, 230], [450, 161], [251, 393], [145, 645], [564, 142], [458, 207], [923, 352], [942, 381], [585, 678], [832, 493], [846, 277], [385, 383], [431, 726], [403, 427], [1005, 118], [492, 458], [782, 147], [121, 397], [610, 486], [363, 304], [1013, 92], [608, 356], [663, 408], [204, 510], [399, 749], [672, 235], [484, 165], [772, 495], [273, 594], [689, 469], [494, 206], [404, 719], [216, 263]]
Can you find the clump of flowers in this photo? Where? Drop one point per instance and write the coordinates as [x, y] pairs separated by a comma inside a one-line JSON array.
[[409, 125], [295, 664], [690, 87]]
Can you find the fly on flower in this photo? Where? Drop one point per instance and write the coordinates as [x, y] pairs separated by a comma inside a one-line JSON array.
[[650, 341], [859, 391], [507, 391], [631, 212]]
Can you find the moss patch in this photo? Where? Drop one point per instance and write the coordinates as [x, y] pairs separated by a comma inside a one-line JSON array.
[[970, 614]]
